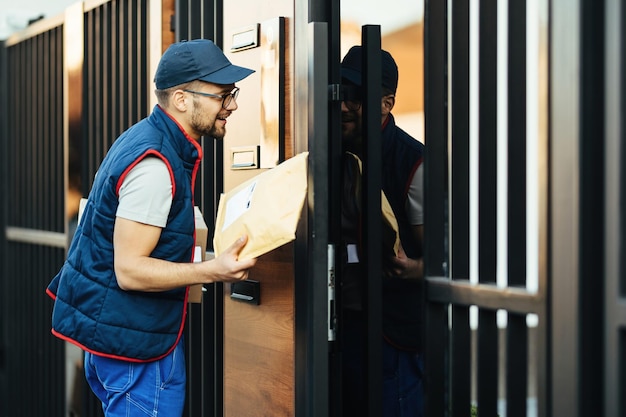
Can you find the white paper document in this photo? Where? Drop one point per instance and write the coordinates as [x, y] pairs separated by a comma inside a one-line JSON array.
[[238, 204]]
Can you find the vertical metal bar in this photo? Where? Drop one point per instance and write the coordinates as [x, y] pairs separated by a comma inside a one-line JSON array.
[[460, 125], [487, 354], [144, 85], [195, 19], [213, 364], [460, 361], [4, 175], [122, 97], [517, 333], [517, 144], [40, 138], [620, 86], [95, 105], [28, 87], [194, 354], [45, 195], [516, 365], [182, 21], [39, 216], [7, 147], [127, 63], [311, 247], [213, 317], [114, 69], [106, 76], [537, 342], [436, 201], [372, 184], [218, 21], [209, 23], [591, 201], [335, 203], [56, 123], [213, 184], [564, 214], [133, 66], [621, 379], [461, 346], [615, 221], [56, 257]]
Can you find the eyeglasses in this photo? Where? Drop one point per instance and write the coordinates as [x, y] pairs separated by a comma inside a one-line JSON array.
[[226, 98], [351, 97], [352, 105]]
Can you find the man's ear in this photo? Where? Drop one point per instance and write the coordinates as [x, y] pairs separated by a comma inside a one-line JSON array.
[[179, 100], [388, 102]]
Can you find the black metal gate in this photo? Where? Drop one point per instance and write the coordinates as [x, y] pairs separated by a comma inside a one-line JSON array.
[[552, 219], [482, 362], [563, 190], [32, 371], [72, 84]]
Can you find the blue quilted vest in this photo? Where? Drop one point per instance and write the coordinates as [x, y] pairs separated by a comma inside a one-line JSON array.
[[402, 313], [90, 310]]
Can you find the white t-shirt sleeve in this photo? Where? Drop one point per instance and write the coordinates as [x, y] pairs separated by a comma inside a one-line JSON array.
[[415, 198], [146, 193]]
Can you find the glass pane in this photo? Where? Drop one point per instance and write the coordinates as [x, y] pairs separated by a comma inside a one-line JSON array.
[[401, 24]]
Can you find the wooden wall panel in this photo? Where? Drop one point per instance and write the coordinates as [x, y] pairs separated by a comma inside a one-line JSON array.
[[258, 347], [244, 125]]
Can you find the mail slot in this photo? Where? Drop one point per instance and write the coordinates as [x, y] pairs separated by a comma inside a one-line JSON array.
[[248, 291]]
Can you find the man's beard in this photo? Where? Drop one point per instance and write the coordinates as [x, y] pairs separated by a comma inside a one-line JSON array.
[[351, 136], [205, 126]]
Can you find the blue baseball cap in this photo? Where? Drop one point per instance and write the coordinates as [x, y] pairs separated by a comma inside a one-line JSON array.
[[198, 59], [351, 68]]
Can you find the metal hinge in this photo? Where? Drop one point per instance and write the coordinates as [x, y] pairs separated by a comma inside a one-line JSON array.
[[332, 310], [334, 92]]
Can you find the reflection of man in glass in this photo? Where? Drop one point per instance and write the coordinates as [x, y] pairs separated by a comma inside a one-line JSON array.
[[402, 318]]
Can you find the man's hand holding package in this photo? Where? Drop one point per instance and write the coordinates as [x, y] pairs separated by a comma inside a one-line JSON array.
[[228, 266], [136, 270], [401, 266]]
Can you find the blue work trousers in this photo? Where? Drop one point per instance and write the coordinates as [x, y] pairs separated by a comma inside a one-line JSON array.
[[129, 389], [403, 389]]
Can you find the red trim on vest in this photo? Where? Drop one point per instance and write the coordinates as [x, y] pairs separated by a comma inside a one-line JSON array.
[[151, 152], [51, 294], [124, 358]]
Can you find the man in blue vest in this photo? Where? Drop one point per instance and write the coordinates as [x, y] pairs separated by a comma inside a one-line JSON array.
[[402, 278], [122, 293]]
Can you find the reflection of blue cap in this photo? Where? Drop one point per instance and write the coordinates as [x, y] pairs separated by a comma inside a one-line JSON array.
[[351, 68], [199, 59]]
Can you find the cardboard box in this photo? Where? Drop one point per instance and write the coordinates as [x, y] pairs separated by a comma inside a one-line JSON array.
[[202, 234]]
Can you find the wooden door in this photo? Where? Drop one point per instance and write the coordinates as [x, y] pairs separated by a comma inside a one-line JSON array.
[[259, 342], [259, 339]]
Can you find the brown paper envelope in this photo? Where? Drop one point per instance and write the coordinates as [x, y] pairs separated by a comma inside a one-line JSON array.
[[390, 232], [266, 208]]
